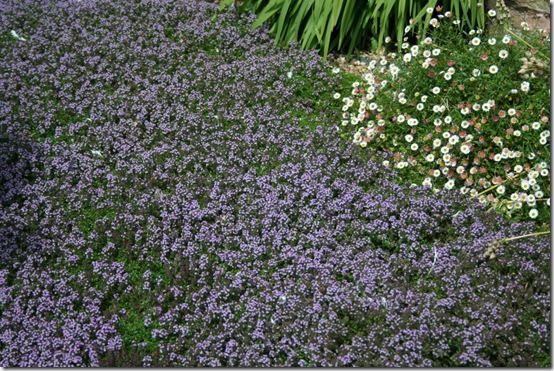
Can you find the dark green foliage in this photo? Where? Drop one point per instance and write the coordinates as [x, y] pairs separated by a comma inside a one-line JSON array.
[[347, 25]]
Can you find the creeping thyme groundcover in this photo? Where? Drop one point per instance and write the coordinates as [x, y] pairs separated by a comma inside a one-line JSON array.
[[173, 193]]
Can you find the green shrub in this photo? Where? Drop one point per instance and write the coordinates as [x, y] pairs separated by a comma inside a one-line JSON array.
[[345, 25], [464, 111]]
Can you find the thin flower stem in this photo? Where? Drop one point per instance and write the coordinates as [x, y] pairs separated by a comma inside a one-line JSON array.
[[525, 236], [487, 190], [526, 43], [494, 186], [536, 199]]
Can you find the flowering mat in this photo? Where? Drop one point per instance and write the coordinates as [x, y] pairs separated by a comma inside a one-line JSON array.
[[171, 196]]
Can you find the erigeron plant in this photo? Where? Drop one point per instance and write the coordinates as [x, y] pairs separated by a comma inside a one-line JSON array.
[[462, 111]]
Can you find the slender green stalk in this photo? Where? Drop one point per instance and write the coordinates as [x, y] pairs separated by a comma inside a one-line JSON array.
[[525, 236], [495, 186], [519, 38]]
